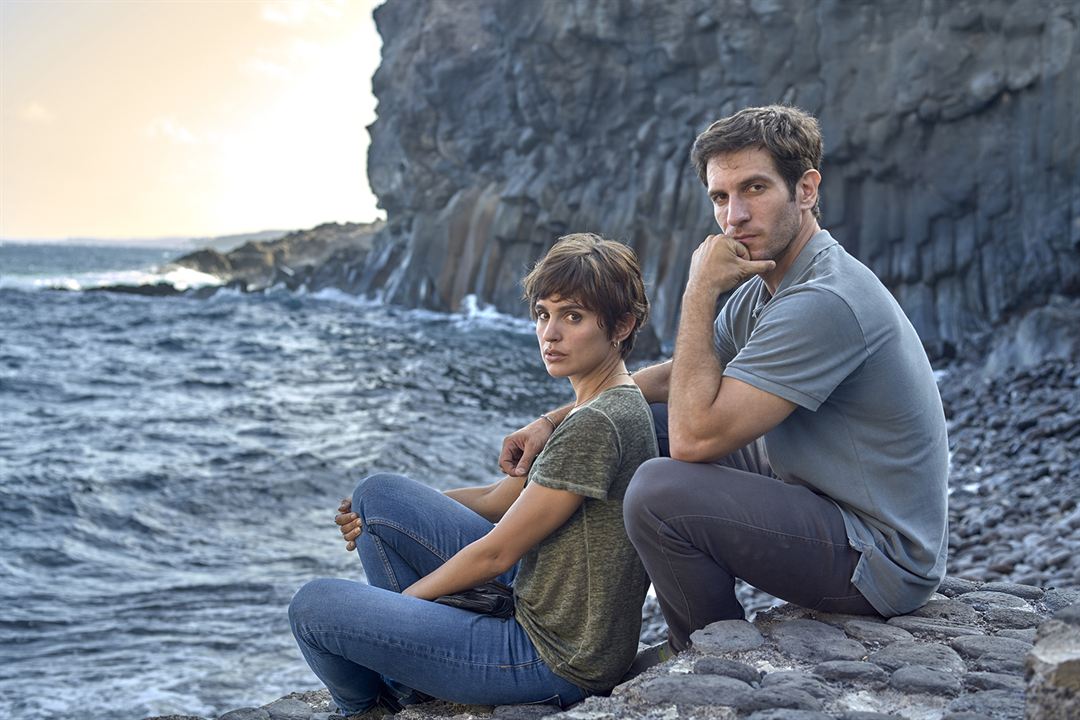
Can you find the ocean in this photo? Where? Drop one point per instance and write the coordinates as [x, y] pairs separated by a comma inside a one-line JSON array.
[[170, 468]]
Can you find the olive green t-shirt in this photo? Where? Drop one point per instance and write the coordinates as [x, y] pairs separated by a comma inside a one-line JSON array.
[[579, 592]]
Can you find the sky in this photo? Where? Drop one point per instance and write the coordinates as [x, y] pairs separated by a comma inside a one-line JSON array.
[[183, 118]]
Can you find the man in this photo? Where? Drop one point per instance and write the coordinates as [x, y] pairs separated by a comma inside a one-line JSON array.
[[808, 452]]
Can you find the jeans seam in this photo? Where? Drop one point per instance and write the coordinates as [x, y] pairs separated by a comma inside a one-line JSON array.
[[308, 631], [387, 565], [405, 531]]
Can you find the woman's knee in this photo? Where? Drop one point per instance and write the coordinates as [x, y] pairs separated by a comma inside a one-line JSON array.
[[309, 603], [380, 487]]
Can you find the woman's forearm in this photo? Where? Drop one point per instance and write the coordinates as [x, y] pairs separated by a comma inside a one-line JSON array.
[[473, 565]]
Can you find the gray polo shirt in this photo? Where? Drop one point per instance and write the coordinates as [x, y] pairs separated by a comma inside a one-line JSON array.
[[869, 429]]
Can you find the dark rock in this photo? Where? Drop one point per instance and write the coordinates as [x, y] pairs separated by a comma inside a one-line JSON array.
[[815, 641], [726, 636], [862, 715], [851, 670], [1059, 598], [473, 196], [993, 681], [931, 655], [875, 633], [992, 654], [695, 690], [1026, 634], [919, 679], [779, 696], [1027, 592], [953, 586], [1013, 618], [288, 709], [981, 600], [952, 611], [810, 684], [1053, 668], [728, 668], [789, 714], [993, 704], [523, 712], [930, 628], [251, 713]]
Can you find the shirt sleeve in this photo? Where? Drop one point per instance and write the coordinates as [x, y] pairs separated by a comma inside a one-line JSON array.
[[582, 456], [804, 345]]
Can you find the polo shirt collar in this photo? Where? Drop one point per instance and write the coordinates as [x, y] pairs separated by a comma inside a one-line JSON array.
[[821, 240]]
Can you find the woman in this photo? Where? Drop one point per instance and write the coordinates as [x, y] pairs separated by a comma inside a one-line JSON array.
[[559, 540]]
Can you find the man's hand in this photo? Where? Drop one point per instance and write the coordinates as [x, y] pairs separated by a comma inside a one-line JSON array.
[[520, 448], [722, 263], [348, 523]]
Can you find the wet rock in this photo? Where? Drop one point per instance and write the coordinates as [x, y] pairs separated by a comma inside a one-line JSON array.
[[931, 655], [993, 704], [726, 636], [288, 709], [851, 670], [919, 679], [1053, 668], [815, 641], [696, 690], [251, 714], [993, 681], [728, 668]]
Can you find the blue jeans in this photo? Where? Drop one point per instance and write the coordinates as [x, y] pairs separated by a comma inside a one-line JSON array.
[[366, 640]]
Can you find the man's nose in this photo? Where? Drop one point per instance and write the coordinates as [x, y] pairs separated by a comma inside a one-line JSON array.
[[738, 212]]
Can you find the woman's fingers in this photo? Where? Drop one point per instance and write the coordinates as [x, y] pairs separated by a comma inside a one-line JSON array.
[[345, 518]]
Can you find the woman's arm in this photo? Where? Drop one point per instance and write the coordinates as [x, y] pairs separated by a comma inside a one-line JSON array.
[[537, 512], [489, 501]]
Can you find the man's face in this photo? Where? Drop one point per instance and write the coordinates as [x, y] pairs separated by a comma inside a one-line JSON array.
[[751, 201]]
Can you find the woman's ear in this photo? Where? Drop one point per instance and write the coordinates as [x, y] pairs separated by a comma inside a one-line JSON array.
[[623, 327]]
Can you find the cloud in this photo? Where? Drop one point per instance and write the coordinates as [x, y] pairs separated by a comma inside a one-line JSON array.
[[37, 114], [292, 13], [169, 129]]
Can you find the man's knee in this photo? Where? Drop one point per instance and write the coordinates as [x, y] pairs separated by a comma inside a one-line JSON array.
[[650, 490]]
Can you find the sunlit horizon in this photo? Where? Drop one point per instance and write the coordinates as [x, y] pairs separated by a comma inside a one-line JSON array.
[[127, 120]]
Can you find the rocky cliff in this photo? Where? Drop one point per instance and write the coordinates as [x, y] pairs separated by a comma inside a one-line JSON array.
[[952, 134]]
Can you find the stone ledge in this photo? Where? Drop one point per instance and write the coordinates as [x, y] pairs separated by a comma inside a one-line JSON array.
[[794, 664]]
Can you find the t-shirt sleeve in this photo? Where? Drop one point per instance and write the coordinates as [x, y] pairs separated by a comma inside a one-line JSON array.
[[582, 458], [804, 345]]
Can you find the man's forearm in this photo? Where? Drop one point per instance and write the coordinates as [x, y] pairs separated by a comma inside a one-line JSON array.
[[696, 372], [654, 382]]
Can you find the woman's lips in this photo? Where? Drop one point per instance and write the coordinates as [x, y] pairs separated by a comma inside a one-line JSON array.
[[552, 356]]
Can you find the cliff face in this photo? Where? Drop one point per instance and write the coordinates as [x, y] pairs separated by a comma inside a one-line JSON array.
[[952, 130]]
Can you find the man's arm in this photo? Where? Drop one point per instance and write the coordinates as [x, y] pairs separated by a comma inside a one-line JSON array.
[[710, 416], [654, 382], [489, 501], [521, 447]]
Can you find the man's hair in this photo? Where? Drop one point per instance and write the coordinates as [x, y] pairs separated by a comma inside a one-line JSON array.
[[791, 137], [602, 275]]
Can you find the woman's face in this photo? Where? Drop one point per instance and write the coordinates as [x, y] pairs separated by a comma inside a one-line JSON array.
[[571, 340]]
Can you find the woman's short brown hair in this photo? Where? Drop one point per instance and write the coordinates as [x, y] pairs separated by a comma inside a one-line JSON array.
[[603, 275]]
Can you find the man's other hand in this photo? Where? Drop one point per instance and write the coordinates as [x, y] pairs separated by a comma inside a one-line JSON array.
[[520, 448]]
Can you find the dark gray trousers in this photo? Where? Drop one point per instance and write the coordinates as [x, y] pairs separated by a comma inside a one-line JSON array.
[[699, 526]]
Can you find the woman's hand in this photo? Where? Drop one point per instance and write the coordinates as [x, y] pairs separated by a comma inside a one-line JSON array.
[[348, 523]]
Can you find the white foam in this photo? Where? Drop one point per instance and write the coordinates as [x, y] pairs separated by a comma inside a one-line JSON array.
[[180, 278]]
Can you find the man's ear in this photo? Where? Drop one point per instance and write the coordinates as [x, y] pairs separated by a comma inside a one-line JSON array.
[[806, 192]]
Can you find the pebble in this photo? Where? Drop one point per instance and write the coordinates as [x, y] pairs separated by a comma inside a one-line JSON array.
[[728, 668], [815, 641], [919, 679], [994, 704], [727, 636], [851, 670], [250, 713], [906, 652], [931, 628], [876, 633]]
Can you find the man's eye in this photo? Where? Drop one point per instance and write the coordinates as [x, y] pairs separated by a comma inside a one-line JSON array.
[[541, 316], [573, 317]]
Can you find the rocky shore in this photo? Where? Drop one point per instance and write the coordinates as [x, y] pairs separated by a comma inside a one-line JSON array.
[[976, 651]]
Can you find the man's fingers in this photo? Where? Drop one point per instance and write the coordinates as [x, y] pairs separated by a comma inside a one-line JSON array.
[[528, 454], [350, 546], [354, 525], [756, 267], [353, 534], [346, 505]]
